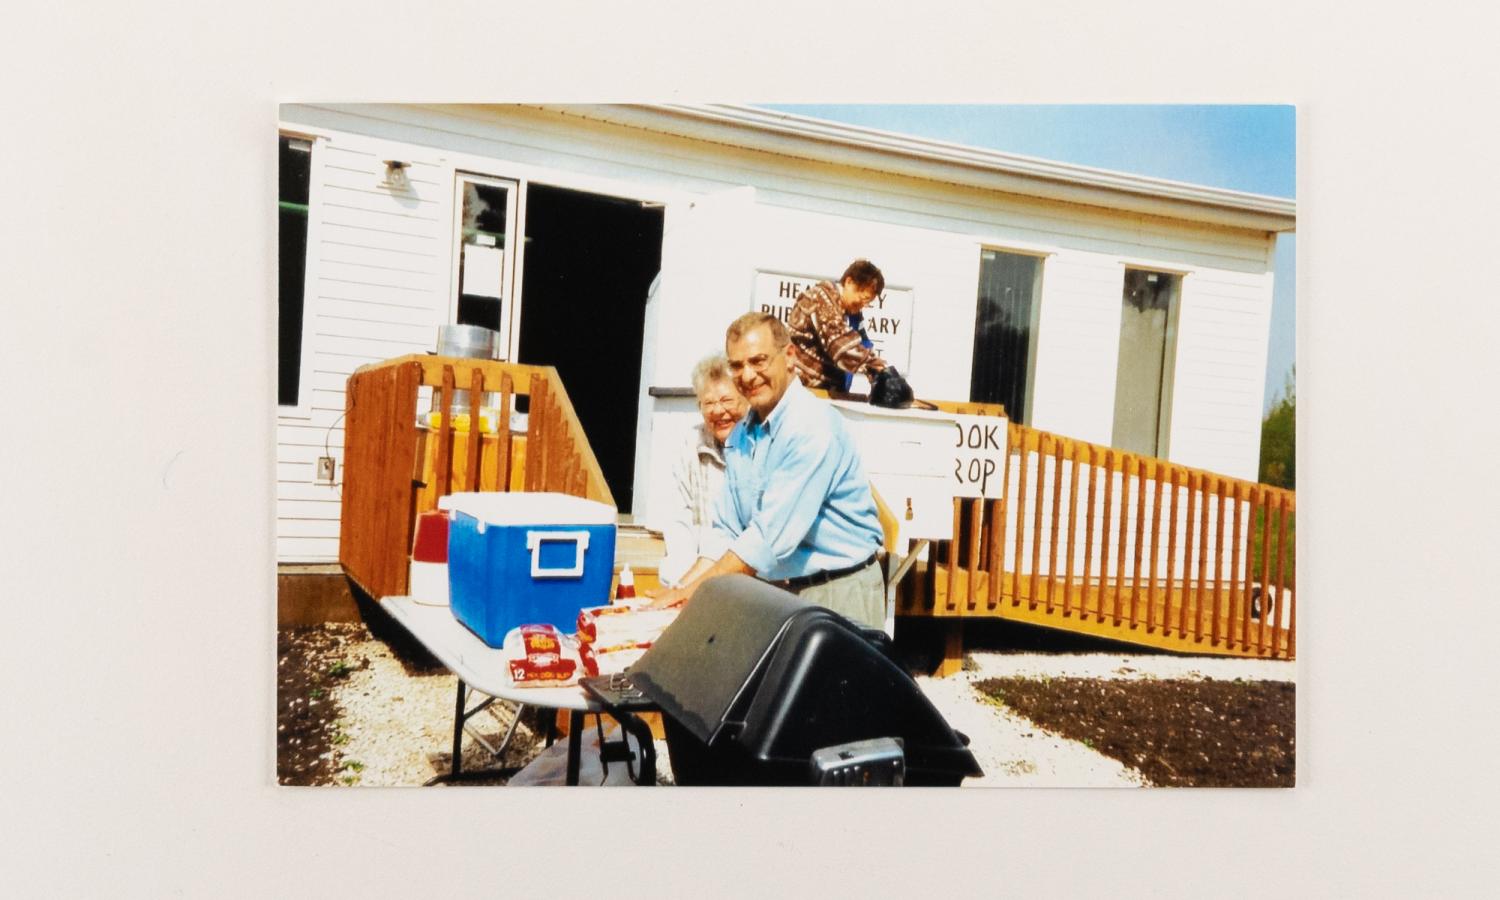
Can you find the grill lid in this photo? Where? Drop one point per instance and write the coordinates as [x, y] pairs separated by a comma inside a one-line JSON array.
[[763, 679], [711, 653]]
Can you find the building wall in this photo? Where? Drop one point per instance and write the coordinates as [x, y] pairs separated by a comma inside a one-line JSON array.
[[731, 212]]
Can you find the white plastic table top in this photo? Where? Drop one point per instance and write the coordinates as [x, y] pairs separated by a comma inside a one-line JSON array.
[[477, 664]]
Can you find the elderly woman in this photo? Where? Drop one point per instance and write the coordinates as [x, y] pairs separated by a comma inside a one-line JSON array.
[[698, 475]]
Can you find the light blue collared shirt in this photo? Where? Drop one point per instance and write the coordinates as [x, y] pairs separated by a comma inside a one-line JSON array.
[[796, 500]]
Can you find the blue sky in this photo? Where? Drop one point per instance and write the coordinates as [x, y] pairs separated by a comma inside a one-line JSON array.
[[1243, 147]]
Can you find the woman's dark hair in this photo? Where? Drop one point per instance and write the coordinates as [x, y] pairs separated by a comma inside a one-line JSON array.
[[864, 275]]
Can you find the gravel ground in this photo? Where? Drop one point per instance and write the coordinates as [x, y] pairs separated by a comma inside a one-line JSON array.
[[394, 715]]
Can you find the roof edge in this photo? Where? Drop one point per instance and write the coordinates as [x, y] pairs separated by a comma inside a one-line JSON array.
[[900, 154]]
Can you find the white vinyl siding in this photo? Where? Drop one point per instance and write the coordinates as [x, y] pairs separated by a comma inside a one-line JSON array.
[[378, 283], [383, 267]]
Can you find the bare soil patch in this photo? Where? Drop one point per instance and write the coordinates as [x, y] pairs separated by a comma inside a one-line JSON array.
[[310, 662], [1177, 732]]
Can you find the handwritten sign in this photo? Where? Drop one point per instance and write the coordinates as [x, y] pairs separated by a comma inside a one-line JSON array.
[[887, 318], [979, 448]]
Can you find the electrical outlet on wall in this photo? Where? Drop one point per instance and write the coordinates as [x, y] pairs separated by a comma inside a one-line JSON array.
[[325, 470]]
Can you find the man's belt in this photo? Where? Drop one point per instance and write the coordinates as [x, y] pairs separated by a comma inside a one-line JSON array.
[[803, 581]]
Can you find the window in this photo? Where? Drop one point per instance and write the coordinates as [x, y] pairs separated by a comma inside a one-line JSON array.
[[1005, 331], [486, 209], [295, 169], [1143, 377]]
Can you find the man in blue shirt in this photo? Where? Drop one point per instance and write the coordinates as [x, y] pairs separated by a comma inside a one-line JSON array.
[[796, 505]]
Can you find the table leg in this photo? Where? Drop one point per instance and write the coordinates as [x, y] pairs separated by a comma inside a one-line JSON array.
[[458, 730], [575, 744]]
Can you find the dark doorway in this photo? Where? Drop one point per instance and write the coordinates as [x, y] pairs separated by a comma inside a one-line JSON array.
[[588, 261]]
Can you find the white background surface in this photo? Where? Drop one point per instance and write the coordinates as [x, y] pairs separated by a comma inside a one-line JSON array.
[[136, 545]]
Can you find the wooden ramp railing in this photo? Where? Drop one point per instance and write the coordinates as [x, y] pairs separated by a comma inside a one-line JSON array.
[[1099, 541], [396, 468]]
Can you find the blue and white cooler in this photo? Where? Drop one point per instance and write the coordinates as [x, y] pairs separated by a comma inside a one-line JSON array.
[[526, 559]]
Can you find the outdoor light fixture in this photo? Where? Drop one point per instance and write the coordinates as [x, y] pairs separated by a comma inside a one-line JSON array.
[[395, 175]]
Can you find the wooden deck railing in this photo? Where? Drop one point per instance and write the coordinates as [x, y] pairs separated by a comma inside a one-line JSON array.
[[396, 468], [1096, 540]]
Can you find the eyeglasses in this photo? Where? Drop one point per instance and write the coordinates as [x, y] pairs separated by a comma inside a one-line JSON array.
[[727, 404], [757, 363]]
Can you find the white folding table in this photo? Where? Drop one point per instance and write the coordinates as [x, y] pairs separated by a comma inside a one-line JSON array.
[[484, 669]]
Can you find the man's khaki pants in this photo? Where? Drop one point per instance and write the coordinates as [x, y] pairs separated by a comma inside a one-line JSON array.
[[858, 596]]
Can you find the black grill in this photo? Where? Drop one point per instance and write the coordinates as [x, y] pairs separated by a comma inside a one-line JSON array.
[[752, 681]]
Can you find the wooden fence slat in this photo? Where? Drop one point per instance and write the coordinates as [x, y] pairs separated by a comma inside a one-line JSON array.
[[1015, 593], [1155, 552], [1140, 540], [997, 572], [1246, 576], [503, 446], [1291, 628], [443, 469], [1124, 532], [1266, 621], [1104, 541], [558, 442], [1219, 490], [1232, 606], [1280, 568], [994, 550], [534, 446], [1200, 592], [393, 507], [949, 551], [1088, 542], [1036, 527], [976, 522], [1070, 602], [1057, 459], [476, 430], [1187, 555], [1172, 580]]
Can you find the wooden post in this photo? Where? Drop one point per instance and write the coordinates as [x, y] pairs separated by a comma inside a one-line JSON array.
[[953, 648]]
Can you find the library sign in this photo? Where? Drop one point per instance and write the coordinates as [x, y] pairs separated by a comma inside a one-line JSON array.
[[887, 319]]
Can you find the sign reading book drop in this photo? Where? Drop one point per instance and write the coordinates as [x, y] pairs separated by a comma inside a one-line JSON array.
[[979, 448], [887, 319]]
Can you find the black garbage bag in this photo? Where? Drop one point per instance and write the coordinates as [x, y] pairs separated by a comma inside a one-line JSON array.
[[890, 390]]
